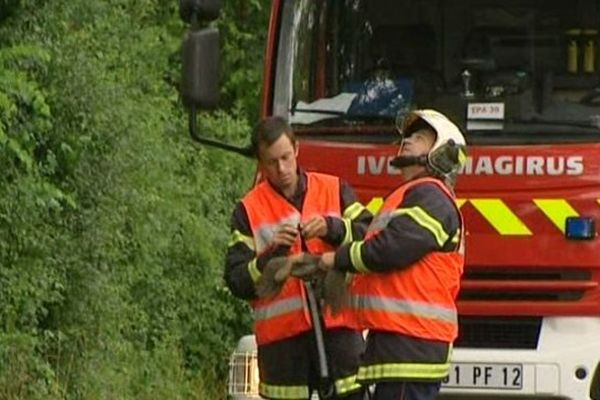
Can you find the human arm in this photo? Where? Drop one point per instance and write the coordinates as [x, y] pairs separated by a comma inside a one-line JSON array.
[[425, 221], [352, 225], [243, 267]]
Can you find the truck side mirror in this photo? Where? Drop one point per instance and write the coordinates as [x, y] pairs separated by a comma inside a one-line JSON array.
[[200, 64], [200, 68], [206, 10]]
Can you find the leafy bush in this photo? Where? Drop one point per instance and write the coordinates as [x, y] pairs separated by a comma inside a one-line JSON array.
[[112, 225]]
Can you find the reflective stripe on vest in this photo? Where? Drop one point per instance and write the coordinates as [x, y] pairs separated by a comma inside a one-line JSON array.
[[413, 308], [278, 307]]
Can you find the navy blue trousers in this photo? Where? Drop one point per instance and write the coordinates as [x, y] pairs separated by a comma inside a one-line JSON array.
[[406, 390]]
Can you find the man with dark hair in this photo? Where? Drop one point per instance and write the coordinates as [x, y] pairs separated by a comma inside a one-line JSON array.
[[289, 212], [408, 267]]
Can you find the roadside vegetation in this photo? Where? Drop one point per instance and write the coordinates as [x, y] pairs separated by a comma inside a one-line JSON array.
[[113, 224]]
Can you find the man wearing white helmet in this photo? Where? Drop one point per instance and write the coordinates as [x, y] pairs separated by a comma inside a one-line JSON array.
[[408, 267]]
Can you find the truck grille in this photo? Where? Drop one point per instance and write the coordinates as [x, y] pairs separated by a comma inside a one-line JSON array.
[[498, 332], [525, 284], [529, 291]]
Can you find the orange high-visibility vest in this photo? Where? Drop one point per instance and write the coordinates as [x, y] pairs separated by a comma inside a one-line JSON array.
[[418, 300], [286, 314]]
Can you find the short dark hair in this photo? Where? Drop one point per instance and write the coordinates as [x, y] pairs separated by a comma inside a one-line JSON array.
[[269, 130]]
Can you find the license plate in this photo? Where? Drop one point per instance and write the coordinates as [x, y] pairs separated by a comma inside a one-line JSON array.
[[485, 376]]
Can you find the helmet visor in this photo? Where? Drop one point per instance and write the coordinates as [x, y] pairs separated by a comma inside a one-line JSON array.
[[448, 158]]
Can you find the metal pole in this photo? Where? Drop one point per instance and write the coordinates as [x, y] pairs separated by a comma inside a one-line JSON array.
[[326, 388]]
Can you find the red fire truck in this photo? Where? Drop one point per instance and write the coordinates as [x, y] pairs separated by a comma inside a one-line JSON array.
[[521, 77]]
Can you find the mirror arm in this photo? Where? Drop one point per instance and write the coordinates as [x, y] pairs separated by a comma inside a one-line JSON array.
[[194, 20], [244, 151]]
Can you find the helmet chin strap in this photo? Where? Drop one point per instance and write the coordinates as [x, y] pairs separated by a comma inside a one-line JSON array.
[[406, 161]]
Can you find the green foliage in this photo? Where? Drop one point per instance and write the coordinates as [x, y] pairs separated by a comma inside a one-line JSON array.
[[113, 225], [244, 28], [8, 8]]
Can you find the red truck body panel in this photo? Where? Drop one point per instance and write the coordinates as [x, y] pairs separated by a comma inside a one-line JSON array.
[[530, 245]]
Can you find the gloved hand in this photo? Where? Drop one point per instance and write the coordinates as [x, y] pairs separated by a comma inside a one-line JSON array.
[[307, 266], [335, 290], [273, 276], [332, 283], [278, 269]]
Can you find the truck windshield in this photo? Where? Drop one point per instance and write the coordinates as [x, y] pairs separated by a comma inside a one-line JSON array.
[[505, 70]]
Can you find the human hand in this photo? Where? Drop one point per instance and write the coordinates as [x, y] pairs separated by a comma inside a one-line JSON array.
[[315, 227], [285, 236], [279, 269], [305, 266], [327, 261], [273, 277]]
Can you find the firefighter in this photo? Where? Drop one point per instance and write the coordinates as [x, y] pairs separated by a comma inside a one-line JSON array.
[[408, 267], [289, 212]]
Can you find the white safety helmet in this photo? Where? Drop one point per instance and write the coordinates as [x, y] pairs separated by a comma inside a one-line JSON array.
[[448, 153]]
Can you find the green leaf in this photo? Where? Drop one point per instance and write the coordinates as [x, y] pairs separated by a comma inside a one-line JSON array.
[[20, 153]]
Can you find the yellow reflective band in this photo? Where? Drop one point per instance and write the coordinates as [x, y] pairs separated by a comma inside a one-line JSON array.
[[356, 257], [403, 371], [346, 385], [450, 350], [557, 210], [237, 237], [460, 202], [380, 221], [253, 270], [375, 204], [456, 237], [500, 217], [283, 392], [421, 217], [348, 235], [462, 156], [353, 210]]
